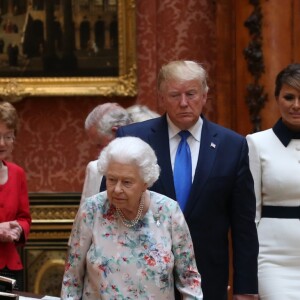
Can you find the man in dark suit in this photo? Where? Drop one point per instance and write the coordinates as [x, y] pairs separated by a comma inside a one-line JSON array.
[[222, 194]]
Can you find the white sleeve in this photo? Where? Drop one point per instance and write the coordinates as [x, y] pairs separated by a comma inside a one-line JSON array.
[[255, 167], [79, 243], [92, 181]]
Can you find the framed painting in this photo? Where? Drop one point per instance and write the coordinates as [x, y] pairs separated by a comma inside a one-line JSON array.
[[67, 47]]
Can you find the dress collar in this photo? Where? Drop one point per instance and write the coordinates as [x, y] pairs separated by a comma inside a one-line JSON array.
[[284, 134]]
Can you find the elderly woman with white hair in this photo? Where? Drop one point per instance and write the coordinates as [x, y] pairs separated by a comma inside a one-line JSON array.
[[129, 242]]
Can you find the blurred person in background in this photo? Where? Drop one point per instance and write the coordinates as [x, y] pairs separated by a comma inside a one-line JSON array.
[[101, 125], [139, 113]]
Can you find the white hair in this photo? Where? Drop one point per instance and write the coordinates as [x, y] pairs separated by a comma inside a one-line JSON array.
[[131, 150], [106, 116], [139, 113]]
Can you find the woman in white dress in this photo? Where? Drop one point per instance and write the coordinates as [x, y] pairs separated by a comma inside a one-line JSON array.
[[275, 166], [129, 242]]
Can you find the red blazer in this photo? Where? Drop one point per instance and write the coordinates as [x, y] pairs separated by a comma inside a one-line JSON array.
[[14, 205]]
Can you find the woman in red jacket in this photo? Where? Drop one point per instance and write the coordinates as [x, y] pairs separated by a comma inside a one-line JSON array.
[[15, 219]]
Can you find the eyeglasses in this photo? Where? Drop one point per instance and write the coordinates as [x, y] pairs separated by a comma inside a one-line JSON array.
[[7, 138]]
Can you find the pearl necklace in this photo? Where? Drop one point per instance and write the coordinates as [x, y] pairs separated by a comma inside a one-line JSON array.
[[131, 223]]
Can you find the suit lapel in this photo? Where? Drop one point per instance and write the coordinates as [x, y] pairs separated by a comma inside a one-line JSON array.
[[159, 141], [207, 154]]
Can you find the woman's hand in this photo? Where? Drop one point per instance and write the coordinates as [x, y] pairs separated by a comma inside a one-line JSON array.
[[10, 231]]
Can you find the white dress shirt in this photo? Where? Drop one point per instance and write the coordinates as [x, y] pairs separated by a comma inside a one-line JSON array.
[[193, 141]]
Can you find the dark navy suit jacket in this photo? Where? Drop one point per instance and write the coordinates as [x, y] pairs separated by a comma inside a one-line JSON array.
[[222, 197]]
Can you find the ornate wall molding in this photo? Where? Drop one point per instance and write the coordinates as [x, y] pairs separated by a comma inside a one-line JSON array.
[[51, 214], [255, 97], [45, 251]]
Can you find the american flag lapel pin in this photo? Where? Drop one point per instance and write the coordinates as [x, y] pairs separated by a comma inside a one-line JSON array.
[[212, 145]]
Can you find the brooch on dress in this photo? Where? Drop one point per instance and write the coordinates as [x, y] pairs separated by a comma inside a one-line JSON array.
[[157, 219]]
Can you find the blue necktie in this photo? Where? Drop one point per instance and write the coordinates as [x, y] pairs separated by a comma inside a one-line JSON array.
[[183, 170]]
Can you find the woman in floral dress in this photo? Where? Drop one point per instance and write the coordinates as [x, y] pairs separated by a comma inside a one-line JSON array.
[[129, 242]]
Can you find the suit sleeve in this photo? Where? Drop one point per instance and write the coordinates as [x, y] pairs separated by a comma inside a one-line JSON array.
[[244, 234], [120, 132]]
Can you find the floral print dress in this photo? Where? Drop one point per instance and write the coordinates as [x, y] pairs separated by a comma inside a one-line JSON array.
[[107, 260]]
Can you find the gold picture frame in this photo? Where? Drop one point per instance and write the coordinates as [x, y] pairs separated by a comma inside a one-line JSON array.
[[14, 88]]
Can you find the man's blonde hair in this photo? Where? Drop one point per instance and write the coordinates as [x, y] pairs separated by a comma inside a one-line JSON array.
[[182, 70]]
